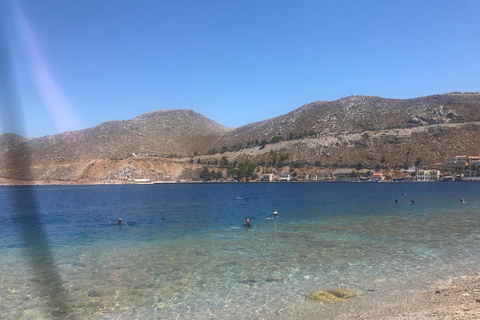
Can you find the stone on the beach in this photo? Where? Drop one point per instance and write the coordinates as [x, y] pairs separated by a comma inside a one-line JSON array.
[[332, 295]]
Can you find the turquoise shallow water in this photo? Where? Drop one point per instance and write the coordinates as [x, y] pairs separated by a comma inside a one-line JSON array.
[[185, 254]]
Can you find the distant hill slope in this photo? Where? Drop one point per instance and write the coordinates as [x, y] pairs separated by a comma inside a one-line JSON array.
[[365, 113], [347, 131], [158, 132]]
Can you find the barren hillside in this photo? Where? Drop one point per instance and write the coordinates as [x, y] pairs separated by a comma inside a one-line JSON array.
[[174, 144]]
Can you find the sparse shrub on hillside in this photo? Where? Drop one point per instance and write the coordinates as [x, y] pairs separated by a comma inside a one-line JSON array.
[[294, 164], [237, 146], [360, 166], [418, 162], [224, 162], [284, 156], [212, 151], [274, 157], [276, 139]]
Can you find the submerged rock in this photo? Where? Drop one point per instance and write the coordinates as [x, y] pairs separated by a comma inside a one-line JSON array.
[[275, 279], [249, 281], [332, 295], [103, 292]]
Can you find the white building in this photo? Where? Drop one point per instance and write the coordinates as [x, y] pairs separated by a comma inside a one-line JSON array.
[[323, 177], [451, 161], [427, 175], [461, 160], [143, 181], [474, 161], [268, 177]]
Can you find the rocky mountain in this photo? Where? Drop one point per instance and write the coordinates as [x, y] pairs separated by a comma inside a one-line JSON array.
[[156, 133], [355, 129], [366, 113]]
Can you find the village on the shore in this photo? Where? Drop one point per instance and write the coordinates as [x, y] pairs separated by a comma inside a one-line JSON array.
[[457, 168]]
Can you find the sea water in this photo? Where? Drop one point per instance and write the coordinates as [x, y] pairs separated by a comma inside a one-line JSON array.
[[186, 254]]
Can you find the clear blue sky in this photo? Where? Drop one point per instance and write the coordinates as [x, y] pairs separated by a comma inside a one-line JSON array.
[[79, 63]]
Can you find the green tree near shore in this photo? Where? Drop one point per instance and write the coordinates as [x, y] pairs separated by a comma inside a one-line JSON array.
[[207, 175]]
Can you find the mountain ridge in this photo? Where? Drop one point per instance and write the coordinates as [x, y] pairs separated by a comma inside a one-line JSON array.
[[350, 130]]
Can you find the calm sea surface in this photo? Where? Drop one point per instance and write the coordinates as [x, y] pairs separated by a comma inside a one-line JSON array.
[[186, 254]]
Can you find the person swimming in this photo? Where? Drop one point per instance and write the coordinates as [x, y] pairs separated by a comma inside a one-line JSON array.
[[462, 201], [275, 214], [247, 223], [120, 222], [413, 202], [396, 200]]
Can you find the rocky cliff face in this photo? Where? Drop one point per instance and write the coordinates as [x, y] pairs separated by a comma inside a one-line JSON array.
[[356, 129]]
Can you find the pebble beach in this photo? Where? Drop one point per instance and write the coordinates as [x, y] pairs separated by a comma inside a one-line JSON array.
[[458, 300]]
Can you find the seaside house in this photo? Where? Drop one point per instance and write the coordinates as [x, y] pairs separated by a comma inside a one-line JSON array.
[[323, 177], [450, 161], [285, 177], [267, 177], [427, 175], [420, 175], [346, 176], [470, 173], [312, 177], [433, 175], [474, 161], [378, 176], [461, 160]]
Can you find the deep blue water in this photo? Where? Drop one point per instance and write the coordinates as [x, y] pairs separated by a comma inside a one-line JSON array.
[[186, 255]]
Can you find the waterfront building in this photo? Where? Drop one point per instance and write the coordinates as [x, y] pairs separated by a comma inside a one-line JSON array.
[[268, 177], [427, 175], [378, 176]]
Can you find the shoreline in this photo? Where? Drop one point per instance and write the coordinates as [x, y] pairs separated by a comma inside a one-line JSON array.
[[130, 183], [458, 299]]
